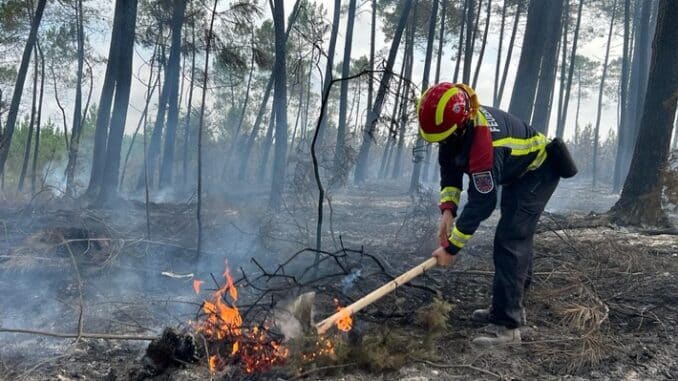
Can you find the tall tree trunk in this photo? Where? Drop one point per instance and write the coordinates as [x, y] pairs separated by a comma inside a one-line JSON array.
[[264, 165], [393, 122], [77, 109], [173, 72], [562, 118], [375, 111], [549, 68], [373, 33], [109, 185], [497, 71], [509, 54], [622, 130], [189, 109], [525, 86], [441, 39], [420, 144], [264, 103], [404, 105], [105, 103], [600, 94], [640, 201], [638, 86], [329, 68], [563, 62], [34, 169], [339, 153], [470, 37], [280, 109], [484, 42], [6, 138], [460, 42], [31, 124]]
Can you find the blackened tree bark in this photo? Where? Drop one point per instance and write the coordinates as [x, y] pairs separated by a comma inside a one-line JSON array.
[[460, 42], [172, 81], [497, 71], [330, 63], [640, 66], [105, 103], [622, 133], [562, 118], [339, 154], [31, 125], [373, 33], [373, 114], [77, 109], [483, 43], [264, 103], [420, 145], [509, 54], [6, 138], [404, 103], [189, 109], [549, 67], [109, 184], [640, 201], [596, 133], [524, 89], [470, 37], [34, 169], [280, 110]]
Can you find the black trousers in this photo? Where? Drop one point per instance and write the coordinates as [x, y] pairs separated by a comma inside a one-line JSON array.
[[522, 202]]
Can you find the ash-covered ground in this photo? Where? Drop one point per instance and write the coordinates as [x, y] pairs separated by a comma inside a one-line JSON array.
[[603, 306]]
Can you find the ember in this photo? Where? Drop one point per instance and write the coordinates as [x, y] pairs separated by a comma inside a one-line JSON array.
[[345, 323]]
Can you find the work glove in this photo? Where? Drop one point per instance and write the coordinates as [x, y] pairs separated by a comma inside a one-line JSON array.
[[445, 227]]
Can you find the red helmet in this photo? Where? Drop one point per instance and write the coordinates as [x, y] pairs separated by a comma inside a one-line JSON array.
[[445, 108]]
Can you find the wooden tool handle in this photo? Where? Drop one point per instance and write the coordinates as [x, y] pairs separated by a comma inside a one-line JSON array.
[[375, 295]]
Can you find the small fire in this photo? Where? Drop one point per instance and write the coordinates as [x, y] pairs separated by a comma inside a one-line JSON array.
[[222, 325], [252, 348], [345, 323]]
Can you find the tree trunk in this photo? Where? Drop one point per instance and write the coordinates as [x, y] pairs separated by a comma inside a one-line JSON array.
[[622, 130], [441, 40], [563, 62], [482, 46], [600, 94], [77, 109], [404, 101], [6, 138], [373, 33], [509, 54], [172, 74], [373, 114], [460, 42], [189, 109], [105, 103], [266, 148], [329, 68], [109, 184], [640, 201], [264, 103], [34, 169], [495, 95], [31, 124], [549, 68], [420, 144], [470, 37], [562, 118], [339, 153], [280, 109], [527, 74]]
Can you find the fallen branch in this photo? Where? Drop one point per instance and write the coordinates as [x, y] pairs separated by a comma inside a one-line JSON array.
[[105, 336], [468, 366]]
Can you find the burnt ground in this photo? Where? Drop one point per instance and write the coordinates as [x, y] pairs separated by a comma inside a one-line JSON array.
[[603, 305]]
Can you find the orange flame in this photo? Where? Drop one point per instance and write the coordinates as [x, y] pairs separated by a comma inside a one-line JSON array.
[[345, 322], [197, 284]]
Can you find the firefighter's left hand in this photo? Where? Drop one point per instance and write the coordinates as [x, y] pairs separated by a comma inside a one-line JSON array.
[[444, 259]]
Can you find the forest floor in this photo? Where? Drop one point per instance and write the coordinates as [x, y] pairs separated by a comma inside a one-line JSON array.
[[603, 305]]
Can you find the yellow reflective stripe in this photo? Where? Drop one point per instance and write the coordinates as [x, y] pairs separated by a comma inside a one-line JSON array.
[[521, 147], [437, 137], [450, 194], [481, 120], [538, 161], [442, 103], [458, 238]]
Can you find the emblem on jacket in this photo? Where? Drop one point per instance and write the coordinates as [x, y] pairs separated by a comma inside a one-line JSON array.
[[483, 182]]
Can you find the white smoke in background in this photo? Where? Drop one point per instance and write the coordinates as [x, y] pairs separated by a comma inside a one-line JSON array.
[[350, 279], [53, 177]]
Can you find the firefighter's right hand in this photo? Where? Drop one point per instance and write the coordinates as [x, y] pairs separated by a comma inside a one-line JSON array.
[[445, 227]]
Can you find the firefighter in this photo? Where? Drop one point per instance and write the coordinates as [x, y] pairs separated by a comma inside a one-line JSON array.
[[493, 148]]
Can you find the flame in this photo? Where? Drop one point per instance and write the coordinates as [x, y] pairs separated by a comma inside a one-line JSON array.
[[197, 284], [222, 326], [345, 322]]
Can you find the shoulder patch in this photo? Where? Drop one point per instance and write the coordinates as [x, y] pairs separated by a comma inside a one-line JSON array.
[[483, 182]]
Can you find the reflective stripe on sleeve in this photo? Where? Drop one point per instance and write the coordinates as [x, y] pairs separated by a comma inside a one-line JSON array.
[[458, 238], [450, 194]]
